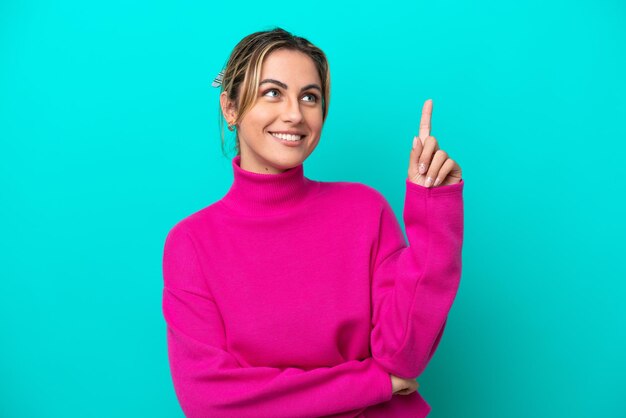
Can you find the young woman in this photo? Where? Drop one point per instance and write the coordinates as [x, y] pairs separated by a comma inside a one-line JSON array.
[[291, 297]]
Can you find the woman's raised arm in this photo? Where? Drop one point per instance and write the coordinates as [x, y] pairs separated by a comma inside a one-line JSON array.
[[414, 286]]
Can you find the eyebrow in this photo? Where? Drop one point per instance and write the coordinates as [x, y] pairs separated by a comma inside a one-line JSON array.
[[283, 85]]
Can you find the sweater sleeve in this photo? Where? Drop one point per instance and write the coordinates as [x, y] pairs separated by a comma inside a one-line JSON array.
[[210, 382], [414, 286]]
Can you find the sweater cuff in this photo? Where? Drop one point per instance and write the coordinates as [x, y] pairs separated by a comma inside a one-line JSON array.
[[385, 387], [435, 191]]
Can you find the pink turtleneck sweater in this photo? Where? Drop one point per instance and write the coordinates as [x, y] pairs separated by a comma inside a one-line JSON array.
[[291, 297]]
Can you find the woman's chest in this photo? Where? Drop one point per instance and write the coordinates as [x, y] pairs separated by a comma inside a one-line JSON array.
[[302, 301]]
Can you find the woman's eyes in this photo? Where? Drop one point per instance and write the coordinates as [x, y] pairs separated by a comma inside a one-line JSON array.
[[269, 91], [314, 97]]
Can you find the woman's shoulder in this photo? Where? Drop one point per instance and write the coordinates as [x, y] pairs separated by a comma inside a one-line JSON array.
[[199, 219], [354, 191]]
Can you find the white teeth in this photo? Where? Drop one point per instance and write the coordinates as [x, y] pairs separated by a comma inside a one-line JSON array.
[[287, 137]]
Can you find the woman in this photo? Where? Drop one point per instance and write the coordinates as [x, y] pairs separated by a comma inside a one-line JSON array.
[[291, 297]]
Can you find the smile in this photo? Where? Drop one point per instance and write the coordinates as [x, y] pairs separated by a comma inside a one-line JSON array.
[[287, 137]]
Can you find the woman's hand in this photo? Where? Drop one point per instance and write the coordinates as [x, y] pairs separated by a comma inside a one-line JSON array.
[[429, 165], [403, 386]]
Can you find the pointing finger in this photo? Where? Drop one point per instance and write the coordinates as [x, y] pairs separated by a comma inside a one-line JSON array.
[[427, 111]]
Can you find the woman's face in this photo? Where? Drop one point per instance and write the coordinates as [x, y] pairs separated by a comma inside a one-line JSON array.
[[289, 102]]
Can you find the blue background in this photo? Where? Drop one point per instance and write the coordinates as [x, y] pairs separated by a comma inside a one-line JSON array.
[[109, 136]]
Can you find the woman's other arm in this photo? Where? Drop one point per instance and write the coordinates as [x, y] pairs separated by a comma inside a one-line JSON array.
[[208, 380]]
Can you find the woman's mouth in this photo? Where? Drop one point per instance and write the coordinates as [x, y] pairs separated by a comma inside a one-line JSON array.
[[287, 137]]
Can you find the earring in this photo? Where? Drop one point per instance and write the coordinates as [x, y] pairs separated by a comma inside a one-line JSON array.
[[231, 127]]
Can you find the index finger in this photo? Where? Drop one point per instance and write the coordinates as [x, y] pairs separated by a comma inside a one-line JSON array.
[[427, 111]]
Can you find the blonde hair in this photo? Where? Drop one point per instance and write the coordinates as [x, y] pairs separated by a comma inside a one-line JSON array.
[[243, 70]]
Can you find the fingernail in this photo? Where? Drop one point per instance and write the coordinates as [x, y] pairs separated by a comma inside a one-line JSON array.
[[437, 182], [414, 142], [429, 180], [422, 168]]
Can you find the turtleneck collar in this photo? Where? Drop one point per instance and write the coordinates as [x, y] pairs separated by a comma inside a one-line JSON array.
[[263, 194]]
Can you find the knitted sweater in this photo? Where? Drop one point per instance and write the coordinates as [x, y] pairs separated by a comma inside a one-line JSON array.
[[291, 297]]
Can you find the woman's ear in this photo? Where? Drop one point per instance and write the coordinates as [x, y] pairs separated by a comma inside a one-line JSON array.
[[228, 107]]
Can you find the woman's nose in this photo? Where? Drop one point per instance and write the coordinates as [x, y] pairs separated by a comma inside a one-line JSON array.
[[292, 112]]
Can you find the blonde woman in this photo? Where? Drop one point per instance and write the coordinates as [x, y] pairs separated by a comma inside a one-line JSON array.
[[291, 297]]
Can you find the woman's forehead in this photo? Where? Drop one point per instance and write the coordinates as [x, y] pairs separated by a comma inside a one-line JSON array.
[[289, 67]]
